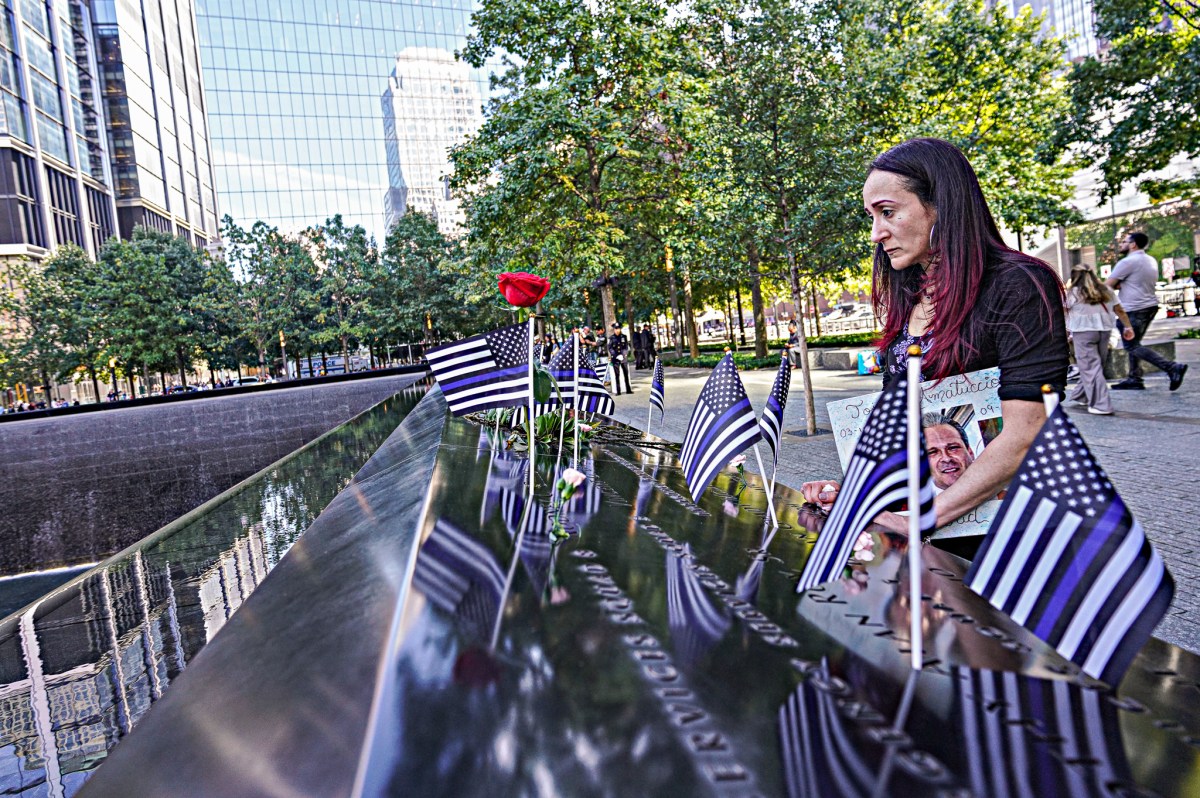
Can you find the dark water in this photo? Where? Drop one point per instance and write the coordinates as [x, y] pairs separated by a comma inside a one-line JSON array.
[[17, 591], [78, 669]]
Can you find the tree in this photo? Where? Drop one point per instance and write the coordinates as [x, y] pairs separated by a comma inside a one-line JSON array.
[[33, 341], [576, 132], [346, 260], [1135, 105], [77, 311]]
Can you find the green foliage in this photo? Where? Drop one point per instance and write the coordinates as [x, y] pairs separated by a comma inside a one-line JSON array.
[[1134, 106], [821, 341], [742, 361], [1192, 333]]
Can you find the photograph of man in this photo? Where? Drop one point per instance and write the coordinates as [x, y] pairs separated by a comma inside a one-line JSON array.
[[618, 349], [946, 445]]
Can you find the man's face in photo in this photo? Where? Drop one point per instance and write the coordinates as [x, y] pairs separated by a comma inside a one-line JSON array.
[[949, 454]]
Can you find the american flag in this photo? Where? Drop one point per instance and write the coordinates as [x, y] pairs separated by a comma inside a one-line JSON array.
[[1066, 560], [460, 575], [658, 388], [592, 395], [506, 473], [771, 422], [489, 370], [696, 625], [876, 480], [722, 425]]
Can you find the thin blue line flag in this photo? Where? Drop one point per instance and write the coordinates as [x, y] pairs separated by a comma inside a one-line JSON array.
[[723, 424], [876, 480], [484, 371], [1065, 558]]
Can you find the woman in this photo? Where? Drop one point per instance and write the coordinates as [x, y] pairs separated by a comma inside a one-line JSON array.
[[1091, 308], [944, 279]]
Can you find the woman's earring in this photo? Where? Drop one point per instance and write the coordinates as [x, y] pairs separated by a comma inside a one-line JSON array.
[[931, 234]]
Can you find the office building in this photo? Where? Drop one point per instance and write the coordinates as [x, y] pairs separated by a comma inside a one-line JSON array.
[[102, 125], [431, 104], [158, 130], [294, 94]]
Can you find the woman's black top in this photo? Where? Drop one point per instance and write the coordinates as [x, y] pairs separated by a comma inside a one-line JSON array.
[[1017, 324]]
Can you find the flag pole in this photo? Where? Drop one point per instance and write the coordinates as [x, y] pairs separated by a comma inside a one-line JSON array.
[[575, 395], [1049, 398], [916, 644], [649, 413], [763, 472], [529, 420]]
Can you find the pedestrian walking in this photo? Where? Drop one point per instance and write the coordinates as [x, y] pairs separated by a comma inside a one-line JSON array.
[[1133, 278], [639, 349], [649, 344], [618, 349], [1092, 309]]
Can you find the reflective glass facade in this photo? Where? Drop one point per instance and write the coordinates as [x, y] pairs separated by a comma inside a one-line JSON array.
[[54, 177], [156, 109], [296, 94], [101, 123]]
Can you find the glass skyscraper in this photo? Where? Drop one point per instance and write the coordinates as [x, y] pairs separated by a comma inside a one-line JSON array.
[[295, 88], [101, 124]]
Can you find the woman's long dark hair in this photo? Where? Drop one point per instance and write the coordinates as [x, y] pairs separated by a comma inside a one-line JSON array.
[[965, 243]]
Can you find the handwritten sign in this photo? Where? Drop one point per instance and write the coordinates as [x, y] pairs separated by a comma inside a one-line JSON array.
[[972, 400]]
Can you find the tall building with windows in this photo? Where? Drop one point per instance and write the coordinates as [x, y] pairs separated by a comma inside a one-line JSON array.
[[101, 125], [431, 104], [158, 130], [294, 101]]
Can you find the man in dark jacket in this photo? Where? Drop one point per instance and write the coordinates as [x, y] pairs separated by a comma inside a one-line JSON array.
[[618, 350], [648, 345]]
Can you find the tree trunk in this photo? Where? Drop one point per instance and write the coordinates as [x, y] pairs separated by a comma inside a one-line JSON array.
[[737, 292], [629, 315], [729, 324], [311, 373], [607, 307], [46, 386], [676, 330], [324, 364], [810, 406], [689, 318], [298, 365], [132, 390], [95, 382], [182, 370], [816, 309], [262, 361], [756, 302], [345, 356]]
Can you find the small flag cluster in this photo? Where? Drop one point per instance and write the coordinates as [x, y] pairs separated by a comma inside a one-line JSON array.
[[492, 370]]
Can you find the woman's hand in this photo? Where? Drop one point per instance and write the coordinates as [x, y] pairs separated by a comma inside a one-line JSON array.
[[820, 493]]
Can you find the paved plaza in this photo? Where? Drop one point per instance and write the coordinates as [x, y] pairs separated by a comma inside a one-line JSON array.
[[1150, 448]]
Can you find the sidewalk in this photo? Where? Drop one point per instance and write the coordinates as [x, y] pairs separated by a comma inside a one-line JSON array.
[[1150, 448]]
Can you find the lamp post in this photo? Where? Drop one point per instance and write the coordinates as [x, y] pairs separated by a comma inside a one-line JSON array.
[[112, 371]]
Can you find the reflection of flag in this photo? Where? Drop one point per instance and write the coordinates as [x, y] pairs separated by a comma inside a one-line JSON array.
[[876, 480], [506, 472], [748, 582], [1065, 558], [489, 370], [820, 755], [585, 502], [771, 423], [722, 425], [1002, 735], [658, 388], [459, 575], [696, 625], [1007, 720]]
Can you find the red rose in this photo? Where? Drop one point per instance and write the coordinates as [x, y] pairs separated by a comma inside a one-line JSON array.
[[522, 289]]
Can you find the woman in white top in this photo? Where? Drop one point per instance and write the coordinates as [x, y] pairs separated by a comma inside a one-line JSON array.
[[1092, 309]]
